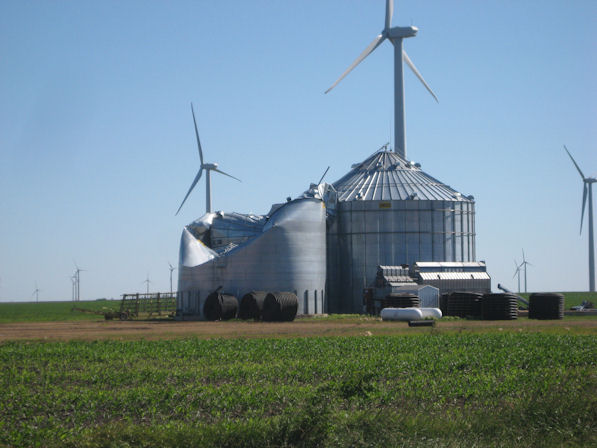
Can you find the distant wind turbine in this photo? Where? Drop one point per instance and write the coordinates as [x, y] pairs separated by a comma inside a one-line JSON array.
[[395, 35], [524, 266], [208, 167], [172, 268], [587, 187], [147, 281], [517, 273], [77, 278], [36, 293]]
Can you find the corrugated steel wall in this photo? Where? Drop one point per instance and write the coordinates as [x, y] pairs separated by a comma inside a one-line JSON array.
[[365, 234]]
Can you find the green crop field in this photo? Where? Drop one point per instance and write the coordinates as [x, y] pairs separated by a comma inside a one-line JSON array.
[[451, 390], [53, 311]]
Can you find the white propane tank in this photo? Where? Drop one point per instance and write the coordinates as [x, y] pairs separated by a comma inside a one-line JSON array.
[[401, 314], [434, 313]]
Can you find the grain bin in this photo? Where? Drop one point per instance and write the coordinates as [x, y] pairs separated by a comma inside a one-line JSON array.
[[390, 212], [287, 254]]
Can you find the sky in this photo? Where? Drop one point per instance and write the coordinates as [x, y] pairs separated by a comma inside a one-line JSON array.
[[97, 147]]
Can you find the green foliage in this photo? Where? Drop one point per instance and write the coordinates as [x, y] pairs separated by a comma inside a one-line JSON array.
[[423, 390], [54, 311]]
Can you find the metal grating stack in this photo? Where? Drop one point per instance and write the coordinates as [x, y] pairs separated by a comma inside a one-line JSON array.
[[546, 305], [401, 300], [499, 307], [464, 304]]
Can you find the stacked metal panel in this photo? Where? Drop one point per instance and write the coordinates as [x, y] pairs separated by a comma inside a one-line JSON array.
[[281, 252], [390, 212]]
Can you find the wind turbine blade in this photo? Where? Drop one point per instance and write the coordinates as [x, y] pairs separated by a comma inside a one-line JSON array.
[[197, 177], [389, 13], [197, 135], [226, 174], [325, 172], [372, 46], [418, 75], [584, 201], [575, 164]]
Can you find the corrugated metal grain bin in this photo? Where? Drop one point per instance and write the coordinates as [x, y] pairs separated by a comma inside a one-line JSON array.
[[390, 212]]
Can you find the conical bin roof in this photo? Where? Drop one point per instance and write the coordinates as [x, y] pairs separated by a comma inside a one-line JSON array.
[[385, 176]]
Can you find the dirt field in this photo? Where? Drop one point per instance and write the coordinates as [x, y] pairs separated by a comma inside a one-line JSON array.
[[305, 327]]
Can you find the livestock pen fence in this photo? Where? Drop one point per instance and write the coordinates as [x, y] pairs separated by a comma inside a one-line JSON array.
[[147, 305]]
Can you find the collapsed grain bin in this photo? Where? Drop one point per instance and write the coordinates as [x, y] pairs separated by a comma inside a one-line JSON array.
[[281, 251]]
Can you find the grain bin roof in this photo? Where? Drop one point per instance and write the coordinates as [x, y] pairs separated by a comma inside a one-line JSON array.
[[385, 176]]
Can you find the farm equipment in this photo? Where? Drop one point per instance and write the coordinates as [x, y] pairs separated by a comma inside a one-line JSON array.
[[134, 306]]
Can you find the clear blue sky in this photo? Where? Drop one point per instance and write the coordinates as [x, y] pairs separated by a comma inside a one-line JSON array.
[[97, 147]]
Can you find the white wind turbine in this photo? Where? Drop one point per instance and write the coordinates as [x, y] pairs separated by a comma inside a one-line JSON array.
[[587, 187], [517, 273], [36, 293], [524, 266], [208, 167], [172, 268], [395, 35]]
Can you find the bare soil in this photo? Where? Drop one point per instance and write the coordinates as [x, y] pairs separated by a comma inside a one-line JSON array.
[[303, 327]]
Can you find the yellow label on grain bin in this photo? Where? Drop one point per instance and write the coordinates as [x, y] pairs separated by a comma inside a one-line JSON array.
[[385, 205]]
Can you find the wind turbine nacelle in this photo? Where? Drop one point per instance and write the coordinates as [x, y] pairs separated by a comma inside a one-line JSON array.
[[402, 31], [210, 166]]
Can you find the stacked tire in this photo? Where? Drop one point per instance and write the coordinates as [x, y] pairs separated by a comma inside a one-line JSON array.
[[546, 305], [401, 300], [251, 305], [219, 306], [464, 304], [280, 307], [500, 307]]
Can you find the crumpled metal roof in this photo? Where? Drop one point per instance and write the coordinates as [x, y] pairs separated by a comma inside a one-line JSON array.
[[385, 176]]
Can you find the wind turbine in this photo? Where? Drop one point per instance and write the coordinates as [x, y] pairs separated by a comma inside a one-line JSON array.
[[172, 268], [395, 35], [147, 281], [587, 186], [524, 266], [208, 167], [36, 293], [517, 272], [77, 278]]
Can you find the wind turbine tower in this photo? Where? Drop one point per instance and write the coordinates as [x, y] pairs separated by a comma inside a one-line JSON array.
[[147, 282], [36, 293], [396, 36], [517, 273], [524, 266], [172, 268], [587, 187], [208, 167], [77, 282]]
